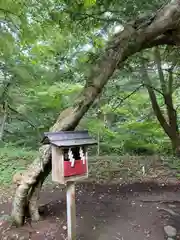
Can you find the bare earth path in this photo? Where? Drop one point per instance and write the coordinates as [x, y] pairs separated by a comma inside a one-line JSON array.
[[137, 211]]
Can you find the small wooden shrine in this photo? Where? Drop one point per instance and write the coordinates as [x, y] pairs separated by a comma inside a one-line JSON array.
[[69, 154], [69, 164]]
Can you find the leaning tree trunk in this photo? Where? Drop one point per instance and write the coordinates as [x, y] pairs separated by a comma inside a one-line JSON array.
[[137, 35]]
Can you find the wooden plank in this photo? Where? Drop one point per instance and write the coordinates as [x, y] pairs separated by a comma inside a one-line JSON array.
[[71, 210], [57, 165]]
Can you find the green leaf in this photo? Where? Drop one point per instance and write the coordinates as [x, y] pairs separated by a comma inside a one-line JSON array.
[[89, 3], [22, 73]]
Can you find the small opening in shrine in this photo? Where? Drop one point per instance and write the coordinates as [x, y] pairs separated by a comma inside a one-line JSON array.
[[75, 151]]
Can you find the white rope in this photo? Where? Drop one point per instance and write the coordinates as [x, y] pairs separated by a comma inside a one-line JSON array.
[[81, 153], [71, 157]]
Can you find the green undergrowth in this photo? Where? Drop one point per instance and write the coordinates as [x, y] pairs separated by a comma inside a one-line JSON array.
[[174, 164], [13, 159], [123, 168], [101, 168]]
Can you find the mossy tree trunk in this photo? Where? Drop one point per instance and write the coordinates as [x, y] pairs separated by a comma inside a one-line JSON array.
[[137, 35]]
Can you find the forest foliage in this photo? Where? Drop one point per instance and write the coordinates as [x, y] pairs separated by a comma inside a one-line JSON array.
[[46, 51]]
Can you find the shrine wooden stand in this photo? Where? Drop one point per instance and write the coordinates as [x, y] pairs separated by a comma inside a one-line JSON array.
[[69, 164]]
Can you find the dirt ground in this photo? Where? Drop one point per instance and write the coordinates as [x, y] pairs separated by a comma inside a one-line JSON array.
[[127, 212]]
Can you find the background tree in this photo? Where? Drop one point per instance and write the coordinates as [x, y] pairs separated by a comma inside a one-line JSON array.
[[157, 71], [168, 85]]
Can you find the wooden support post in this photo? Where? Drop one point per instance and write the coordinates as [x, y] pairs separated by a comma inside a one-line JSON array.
[[71, 210]]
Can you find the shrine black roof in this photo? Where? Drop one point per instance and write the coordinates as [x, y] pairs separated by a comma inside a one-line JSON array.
[[68, 138]]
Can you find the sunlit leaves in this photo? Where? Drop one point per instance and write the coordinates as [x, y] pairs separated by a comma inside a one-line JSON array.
[[89, 3]]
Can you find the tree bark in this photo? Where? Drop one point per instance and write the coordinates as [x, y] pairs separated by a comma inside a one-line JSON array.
[[136, 36], [155, 106], [35, 192], [170, 125], [167, 90], [169, 128]]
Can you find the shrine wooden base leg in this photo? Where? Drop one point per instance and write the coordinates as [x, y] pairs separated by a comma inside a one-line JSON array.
[[71, 210]]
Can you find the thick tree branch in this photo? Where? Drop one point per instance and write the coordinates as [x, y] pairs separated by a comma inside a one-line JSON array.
[[160, 40]]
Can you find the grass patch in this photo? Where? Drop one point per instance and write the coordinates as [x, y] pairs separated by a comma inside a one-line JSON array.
[[13, 159]]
